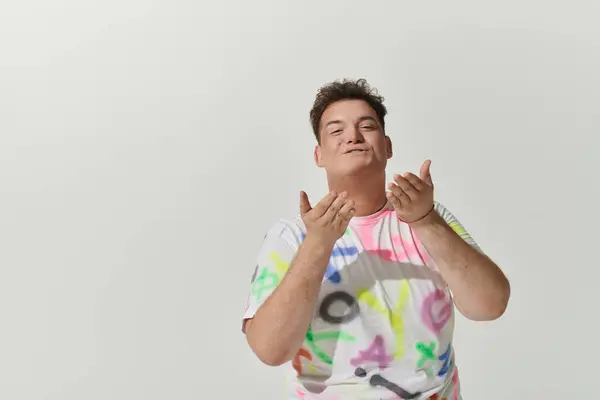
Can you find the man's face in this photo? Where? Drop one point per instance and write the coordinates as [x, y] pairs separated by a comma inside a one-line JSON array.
[[352, 140]]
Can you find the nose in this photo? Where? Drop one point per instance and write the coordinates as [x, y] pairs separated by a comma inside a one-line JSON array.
[[353, 135]]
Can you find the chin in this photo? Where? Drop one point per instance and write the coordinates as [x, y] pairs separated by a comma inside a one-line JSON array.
[[358, 169]]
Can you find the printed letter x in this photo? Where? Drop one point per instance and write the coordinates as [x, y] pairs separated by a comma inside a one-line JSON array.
[[313, 338], [427, 353]]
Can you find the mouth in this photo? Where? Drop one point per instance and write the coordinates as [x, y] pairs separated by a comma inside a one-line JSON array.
[[355, 151]]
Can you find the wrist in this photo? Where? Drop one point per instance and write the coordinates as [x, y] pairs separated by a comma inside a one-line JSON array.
[[431, 219], [319, 243]]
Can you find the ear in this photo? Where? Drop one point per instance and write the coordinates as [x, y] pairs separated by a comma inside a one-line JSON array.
[[318, 156], [388, 147]]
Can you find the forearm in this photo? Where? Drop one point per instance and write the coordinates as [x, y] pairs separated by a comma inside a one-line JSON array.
[[279, 327], [480, 289]]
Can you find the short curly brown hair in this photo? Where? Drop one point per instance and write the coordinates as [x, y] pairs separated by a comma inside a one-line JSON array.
[[345, 89]]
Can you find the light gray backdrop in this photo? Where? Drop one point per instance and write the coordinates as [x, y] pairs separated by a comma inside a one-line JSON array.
[[146, 146]]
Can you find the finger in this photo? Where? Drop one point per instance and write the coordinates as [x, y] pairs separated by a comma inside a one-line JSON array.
[[304, 203], [335, 207], [322, 206], [345, 221], [425, 172], [345, 213], [394, 200], [415, 181], [398, 194], [406, 186]]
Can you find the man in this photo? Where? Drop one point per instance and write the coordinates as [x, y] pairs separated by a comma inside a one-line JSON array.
[[358, 290]]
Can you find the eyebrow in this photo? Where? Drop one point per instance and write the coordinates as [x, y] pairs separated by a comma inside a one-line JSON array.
[[367, 118], [335, 121], [361, 119]]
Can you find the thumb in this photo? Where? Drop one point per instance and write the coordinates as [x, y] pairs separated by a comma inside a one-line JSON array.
[[304, 203], [426, 173]]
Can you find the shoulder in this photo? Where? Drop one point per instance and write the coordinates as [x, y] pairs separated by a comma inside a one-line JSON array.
[[439, 207], [289, 229], [456, 225], [443, 211]]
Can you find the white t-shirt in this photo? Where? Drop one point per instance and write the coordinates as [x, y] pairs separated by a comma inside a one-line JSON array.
[[384, 321]]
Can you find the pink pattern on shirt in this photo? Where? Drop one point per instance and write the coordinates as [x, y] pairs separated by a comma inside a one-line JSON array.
[[436, 310], [404, 250], [455, 383]]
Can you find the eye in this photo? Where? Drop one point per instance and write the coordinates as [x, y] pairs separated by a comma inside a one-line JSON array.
[[337, 131], [368, 127]]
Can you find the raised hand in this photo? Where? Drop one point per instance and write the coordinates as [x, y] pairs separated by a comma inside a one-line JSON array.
[[329, 218], [412, 196]]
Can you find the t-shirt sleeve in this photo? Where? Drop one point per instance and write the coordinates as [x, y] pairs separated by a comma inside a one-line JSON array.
[[272, 263], [456, 225]]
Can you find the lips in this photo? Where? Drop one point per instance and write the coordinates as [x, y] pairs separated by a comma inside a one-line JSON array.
[[355, 151]]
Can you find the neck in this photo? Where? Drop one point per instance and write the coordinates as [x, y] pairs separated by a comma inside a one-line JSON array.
[[368, 194]]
